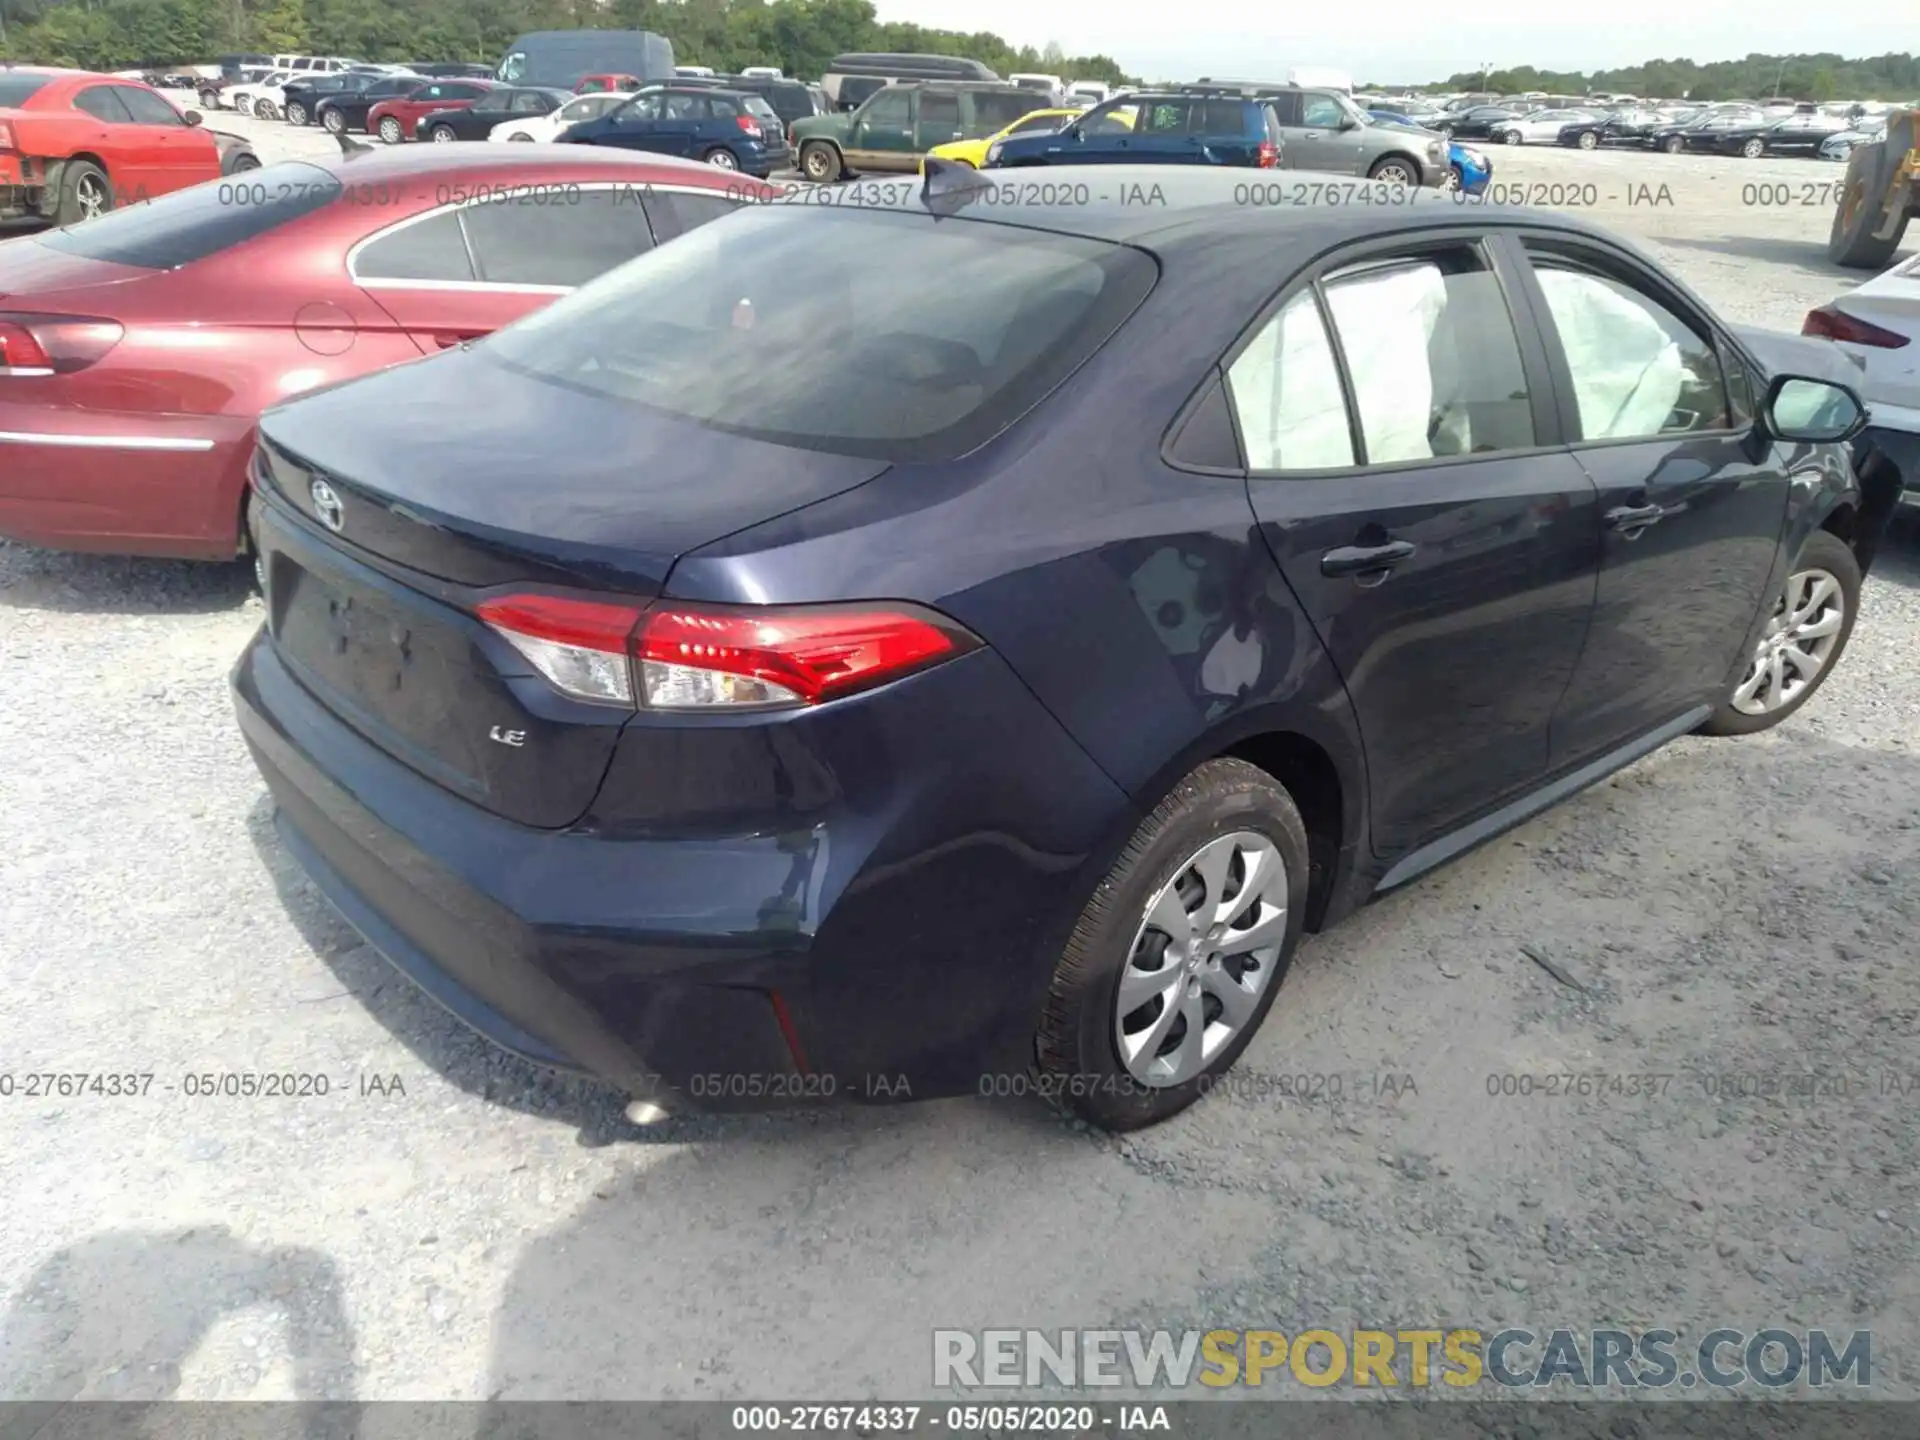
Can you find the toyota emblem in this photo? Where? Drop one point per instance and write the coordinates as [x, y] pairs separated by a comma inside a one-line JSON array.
[[326, 504]]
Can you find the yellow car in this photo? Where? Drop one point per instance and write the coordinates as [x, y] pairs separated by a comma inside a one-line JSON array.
[[974, 152]]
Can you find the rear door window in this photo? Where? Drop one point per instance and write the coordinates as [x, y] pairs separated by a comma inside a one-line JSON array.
[[431, 250], [191, 224], [103, 103], [1217, 117], [147, 108], [566, 245], [1286, 395]]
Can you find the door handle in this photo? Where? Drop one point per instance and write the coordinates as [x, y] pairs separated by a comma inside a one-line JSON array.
[[1365, 559], [1630, 520]]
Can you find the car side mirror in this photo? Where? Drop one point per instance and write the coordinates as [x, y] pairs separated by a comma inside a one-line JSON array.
[[192, 117], [1798, 407], [1347, 122]]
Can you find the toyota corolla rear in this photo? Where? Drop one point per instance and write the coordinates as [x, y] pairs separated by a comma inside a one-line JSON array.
[[721, 855]]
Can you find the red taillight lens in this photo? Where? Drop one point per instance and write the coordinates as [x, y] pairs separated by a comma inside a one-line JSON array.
[[748, 124], [1836, 324], [699, 657], [1269, 155], [54, 344]]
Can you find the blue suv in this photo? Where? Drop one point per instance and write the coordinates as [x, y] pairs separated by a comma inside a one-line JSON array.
[[729, 128], [1154, 129]]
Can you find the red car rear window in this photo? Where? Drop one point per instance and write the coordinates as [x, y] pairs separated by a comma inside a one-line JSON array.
[[203, 220], [18, 89]]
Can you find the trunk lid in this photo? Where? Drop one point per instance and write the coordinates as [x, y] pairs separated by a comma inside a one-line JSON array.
[[30, 270], [455, 478]]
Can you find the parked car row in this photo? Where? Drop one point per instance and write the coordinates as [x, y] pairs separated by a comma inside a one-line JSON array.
[[1747, 130]]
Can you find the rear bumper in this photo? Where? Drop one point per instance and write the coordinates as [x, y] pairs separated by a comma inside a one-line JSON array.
[[893, 942], [136, 484]]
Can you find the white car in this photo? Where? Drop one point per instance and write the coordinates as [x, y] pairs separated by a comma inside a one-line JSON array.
[[246, 98], [1541, 127], [546, 127], [1878, 326], [1840, 146]]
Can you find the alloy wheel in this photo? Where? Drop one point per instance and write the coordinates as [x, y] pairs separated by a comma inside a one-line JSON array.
[[92, 197], [723, 160], [390, 131], [296, 114], [1203, 956], [443, 136], [1395, 173], [1796, 645]]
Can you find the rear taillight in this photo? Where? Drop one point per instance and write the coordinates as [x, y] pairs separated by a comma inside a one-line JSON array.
[[702, 657], [748, 124], [1268, 155], [1836, 324], [53, 344]]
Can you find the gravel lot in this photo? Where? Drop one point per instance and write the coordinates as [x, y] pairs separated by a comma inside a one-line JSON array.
[[1728, 907]]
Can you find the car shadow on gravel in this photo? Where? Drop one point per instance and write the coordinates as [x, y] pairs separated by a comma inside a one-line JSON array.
[[117, 1315], [36, 579]]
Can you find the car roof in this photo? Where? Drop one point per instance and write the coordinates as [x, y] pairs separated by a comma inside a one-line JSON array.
[[1172, 208], [403, 162]]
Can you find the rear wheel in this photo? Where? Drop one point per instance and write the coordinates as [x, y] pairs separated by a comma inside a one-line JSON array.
[[1803, 640], [1673, 145], [820, 162], [442, 135], [1863, 194], [1177, 957], [209, 99], [521, 135], [1395, 170], [721, 158], [84, 193], [1510, 137], [390, 130], [296, 113]]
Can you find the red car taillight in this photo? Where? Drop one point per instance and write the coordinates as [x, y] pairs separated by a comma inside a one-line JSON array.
[[53, 344], [1836, 324], [748, 124], [706, 657], [1268, 155]]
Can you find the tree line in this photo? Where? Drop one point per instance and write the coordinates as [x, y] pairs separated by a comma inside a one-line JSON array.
[[800, 36], [1758, 77]]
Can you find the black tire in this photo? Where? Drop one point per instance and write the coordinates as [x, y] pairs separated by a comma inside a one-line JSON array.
[[522, 136], [1076, 1053], [1588, 140], [392, 131], [821, 162], [443, 135], [85, 191], [333, 122], [209, 99], [238, 160], [1511, 137], [296, 113], [1396, 170], [1673, 145], [1753, 149], [1856, 214], [1821, 551], [721, 158]]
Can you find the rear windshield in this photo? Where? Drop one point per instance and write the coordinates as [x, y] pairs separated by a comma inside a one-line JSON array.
[[16, 89], [203, 220], [897, 368]]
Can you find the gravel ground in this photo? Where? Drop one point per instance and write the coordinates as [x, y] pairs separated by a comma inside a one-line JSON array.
[[451, 1223]]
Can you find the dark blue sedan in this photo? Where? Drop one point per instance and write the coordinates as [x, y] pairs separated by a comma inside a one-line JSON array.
[[957, 642], [729, 128]]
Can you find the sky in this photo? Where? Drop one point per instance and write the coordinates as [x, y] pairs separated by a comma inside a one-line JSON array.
[[1406, 41]]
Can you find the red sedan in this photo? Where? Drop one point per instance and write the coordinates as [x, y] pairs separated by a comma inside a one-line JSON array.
[[395, 120], [74, 144], [138, 350]]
